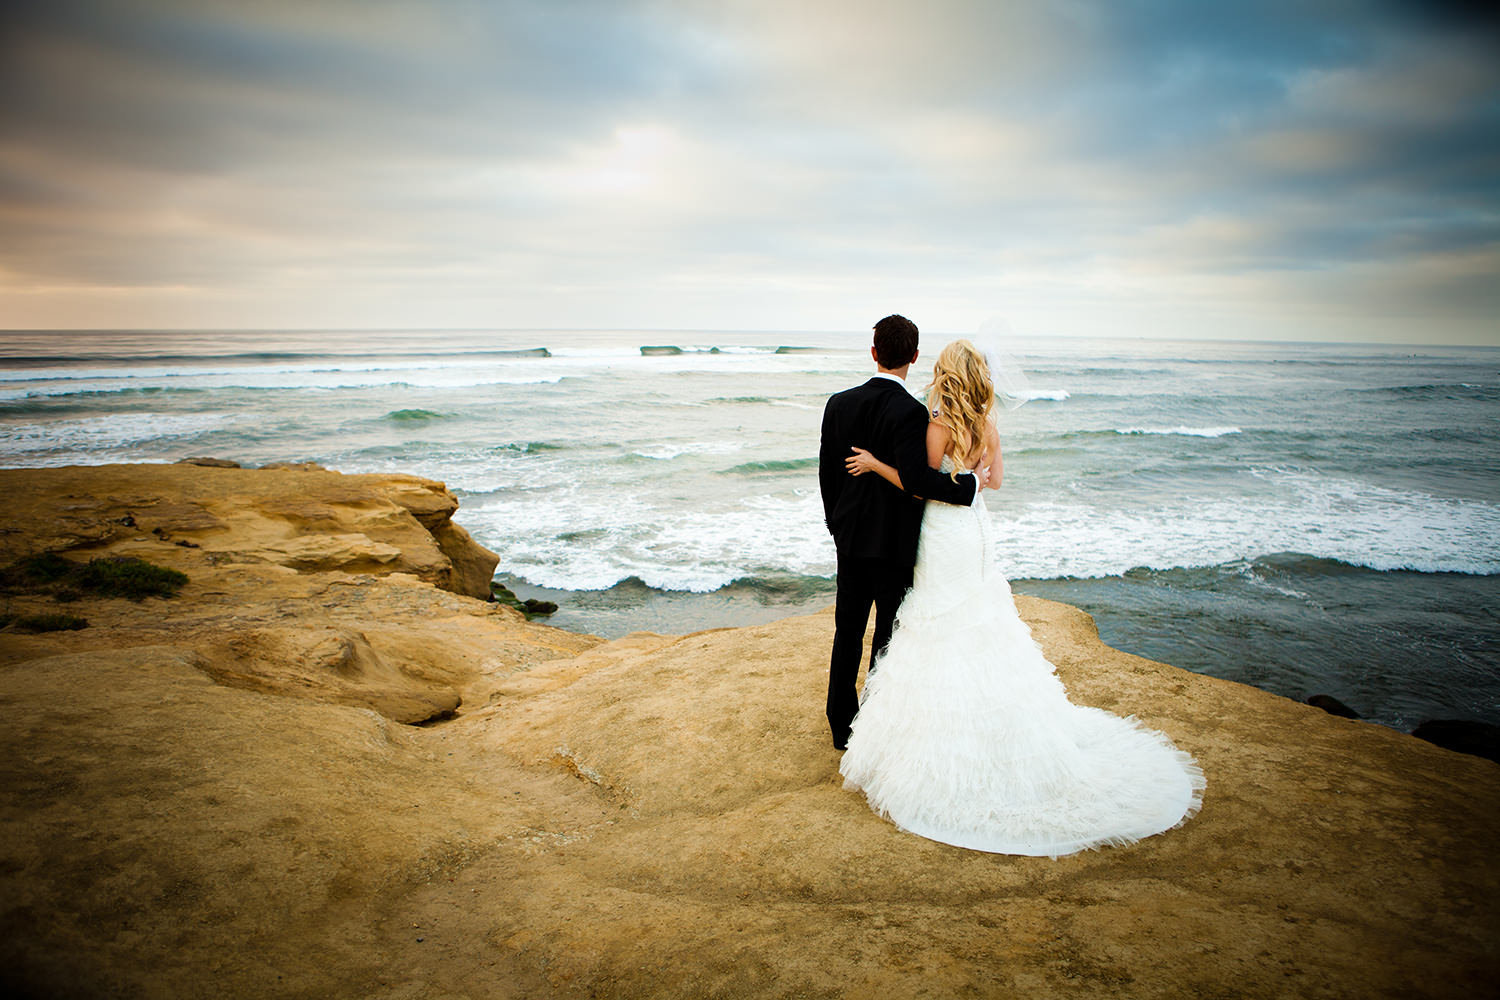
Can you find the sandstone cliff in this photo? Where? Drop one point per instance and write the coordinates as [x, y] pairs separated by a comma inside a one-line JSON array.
[[226, 793]]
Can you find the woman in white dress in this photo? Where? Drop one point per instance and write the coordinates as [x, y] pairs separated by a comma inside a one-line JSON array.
[[964, 733]]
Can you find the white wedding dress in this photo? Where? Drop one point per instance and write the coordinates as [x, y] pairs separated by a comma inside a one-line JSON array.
[[966, 736]]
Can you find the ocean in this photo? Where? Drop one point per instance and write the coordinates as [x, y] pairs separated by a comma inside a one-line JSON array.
[[1308, 518]]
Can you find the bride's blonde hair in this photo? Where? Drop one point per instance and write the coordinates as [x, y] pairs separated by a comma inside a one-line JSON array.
[[961, 397]]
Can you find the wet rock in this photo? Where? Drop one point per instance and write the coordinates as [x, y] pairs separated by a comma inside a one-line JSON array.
[[210, 463], [1463, 736], [1332, 706]]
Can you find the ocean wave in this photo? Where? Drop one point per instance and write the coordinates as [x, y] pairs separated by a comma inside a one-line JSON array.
[[666, 547], [783, 465], [446, 371], [1205, 432], [667, 452], [669, 350], [531, 447], [65, 361], [1118, 432], [1434, 390], [456, 379], [1324, 518], [354, 365], [110, 437], [1290, 574], [62, 403], [1320, 516], [413, 415]]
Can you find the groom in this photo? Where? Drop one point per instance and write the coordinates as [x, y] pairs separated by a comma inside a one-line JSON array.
[[874, 524]]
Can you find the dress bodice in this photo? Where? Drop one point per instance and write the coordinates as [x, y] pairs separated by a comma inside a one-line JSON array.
[[948, 465]]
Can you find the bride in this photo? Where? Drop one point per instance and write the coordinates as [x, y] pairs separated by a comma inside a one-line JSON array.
[[964, 734]]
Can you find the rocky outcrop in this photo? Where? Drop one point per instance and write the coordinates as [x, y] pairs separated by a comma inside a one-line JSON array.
[[216, 794], [303, 518]]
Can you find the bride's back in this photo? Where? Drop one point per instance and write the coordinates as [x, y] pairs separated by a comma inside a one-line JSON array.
[[961, 399]]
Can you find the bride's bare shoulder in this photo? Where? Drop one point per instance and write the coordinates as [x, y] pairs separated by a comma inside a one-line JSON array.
[[938, 437]]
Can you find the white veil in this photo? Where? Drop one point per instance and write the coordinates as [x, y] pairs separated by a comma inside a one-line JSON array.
[[993, 339]]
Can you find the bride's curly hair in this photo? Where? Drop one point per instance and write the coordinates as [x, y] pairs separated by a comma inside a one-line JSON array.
[[961, 397]]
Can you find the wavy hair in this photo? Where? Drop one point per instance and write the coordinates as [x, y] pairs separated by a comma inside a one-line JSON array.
[[961, 397]]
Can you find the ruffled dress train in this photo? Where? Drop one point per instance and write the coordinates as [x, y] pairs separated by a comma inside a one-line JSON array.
[[966, 736]]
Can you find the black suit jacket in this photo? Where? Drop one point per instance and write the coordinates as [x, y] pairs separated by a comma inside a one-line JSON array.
[[867, 516]]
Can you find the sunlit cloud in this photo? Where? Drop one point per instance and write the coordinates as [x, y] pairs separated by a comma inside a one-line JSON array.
[[1143, 169]]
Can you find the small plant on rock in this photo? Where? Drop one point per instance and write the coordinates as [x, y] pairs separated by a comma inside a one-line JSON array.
[[51, 623], [108, 576], [127, 576]]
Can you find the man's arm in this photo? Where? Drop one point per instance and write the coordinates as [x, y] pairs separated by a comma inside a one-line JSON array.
[[919, 478], [831, 475]]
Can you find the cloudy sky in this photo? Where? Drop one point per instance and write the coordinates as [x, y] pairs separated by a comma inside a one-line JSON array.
[[1302, 169]]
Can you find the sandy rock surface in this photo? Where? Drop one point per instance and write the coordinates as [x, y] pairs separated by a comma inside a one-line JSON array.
[[337, 779]]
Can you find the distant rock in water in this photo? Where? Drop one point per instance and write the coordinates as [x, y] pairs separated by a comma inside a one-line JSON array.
[[530, 607], [1463, 736], [212, 463], [1332, 706], [661, 349]]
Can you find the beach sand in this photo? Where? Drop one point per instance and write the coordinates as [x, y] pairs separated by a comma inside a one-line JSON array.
[[315, 772]]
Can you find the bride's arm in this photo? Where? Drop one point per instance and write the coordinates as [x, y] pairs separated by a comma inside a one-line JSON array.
[[938, 437], [862, 461], [996, 460]]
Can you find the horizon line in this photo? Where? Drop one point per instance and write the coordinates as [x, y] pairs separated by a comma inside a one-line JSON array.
[[713, 330]]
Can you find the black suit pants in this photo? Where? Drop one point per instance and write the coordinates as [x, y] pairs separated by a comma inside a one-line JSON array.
[[862, 583]]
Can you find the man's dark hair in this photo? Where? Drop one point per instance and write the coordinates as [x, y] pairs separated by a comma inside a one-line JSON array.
[[895, 342]]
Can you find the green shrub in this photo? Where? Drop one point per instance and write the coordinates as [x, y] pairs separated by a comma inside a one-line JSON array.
[[127, 576], [36, 571], [111, 576], [51, 623], [49, 567]]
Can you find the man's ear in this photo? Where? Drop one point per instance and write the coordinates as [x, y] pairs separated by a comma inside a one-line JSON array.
[[914, 357], [873, 356]]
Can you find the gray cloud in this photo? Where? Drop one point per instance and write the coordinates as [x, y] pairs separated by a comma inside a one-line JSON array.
[[750, 163]]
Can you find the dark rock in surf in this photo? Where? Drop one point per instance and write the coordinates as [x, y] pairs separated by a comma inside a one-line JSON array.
[[1332, 706], [212, 463], [530, 607], [1463, 736]]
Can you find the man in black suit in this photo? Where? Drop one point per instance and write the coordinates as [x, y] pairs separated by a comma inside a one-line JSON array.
[[874, 524]]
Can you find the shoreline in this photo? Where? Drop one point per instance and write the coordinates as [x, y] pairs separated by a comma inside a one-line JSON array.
[[1285, 641], [318, 770]]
